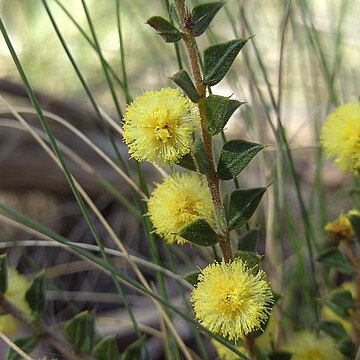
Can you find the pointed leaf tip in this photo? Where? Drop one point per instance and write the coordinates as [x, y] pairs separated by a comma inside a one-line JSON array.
[[203, 14], [165, 29]]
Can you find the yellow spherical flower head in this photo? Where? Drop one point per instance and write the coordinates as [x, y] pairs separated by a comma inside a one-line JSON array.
[[177, 202], [340, 137], [340, 228], [158, 126], [17, 286], [230, 299], [307, 346]]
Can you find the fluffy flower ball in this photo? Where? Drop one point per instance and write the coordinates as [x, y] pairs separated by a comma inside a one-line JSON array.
[[16, 295], [340, 137], [158, 126], [231, 300], [307, 346], [177, 202], [340, 228]]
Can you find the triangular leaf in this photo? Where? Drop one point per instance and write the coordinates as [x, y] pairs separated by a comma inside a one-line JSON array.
[[192, 277], [27, 344], [235, 156], [333, 328], [35, 295], [355, 223], [251, 258], [200, 158], [3, 274], [280, 355], [242, 205], [183, 80], [347, 347], [333, 258], [202, 15], [107, 349], [80, 331], [219, 58], [341, 302], [199, 232], [249, 240], [165, 29], [133, 350], [218, 111], [187, 162]]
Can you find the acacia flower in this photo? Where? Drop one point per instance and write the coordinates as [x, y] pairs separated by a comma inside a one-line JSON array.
[[17, 286], [230, 299], [158, 126], [341, 228], [177, 202], [340, 137], [306, 345]]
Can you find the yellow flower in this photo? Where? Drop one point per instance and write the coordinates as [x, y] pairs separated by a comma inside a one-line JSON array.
[[177, 202], [158, 126], [340, 137], [230, 300], [17, 286], [306, 346], [340, 228]]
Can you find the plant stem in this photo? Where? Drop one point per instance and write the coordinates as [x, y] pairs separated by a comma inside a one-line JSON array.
[[38, 329], [211, 175], [355, 262]]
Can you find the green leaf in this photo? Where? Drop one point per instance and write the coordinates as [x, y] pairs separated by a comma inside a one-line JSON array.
[[333, 258], [199, 232], [218, 111], [346, 347], [165, 29], [192, 277], [27, 344], [183, 80], [251, 258], [341, 301], [202, 15], [280, 355], [107, 349], [235, 156], [242, 205], [200, 158], [249, 240], [219, 58], [333, 328], [133, 350], [3, 274], [187, 162], [35, 295], [355, 224], [80, 331]]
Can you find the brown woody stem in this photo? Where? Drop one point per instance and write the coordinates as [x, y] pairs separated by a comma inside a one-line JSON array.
[[211, 175]]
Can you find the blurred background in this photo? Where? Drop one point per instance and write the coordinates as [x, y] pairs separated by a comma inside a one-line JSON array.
[[302, 62]]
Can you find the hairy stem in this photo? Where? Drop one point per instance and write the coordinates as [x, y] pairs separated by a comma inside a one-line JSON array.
[[211, 175]]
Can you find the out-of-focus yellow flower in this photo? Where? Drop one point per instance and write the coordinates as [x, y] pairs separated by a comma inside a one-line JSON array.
[[177, 202], [340, 228], [230, 300], [340, 136], [158, 126], [307, 346], [17, 286]]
